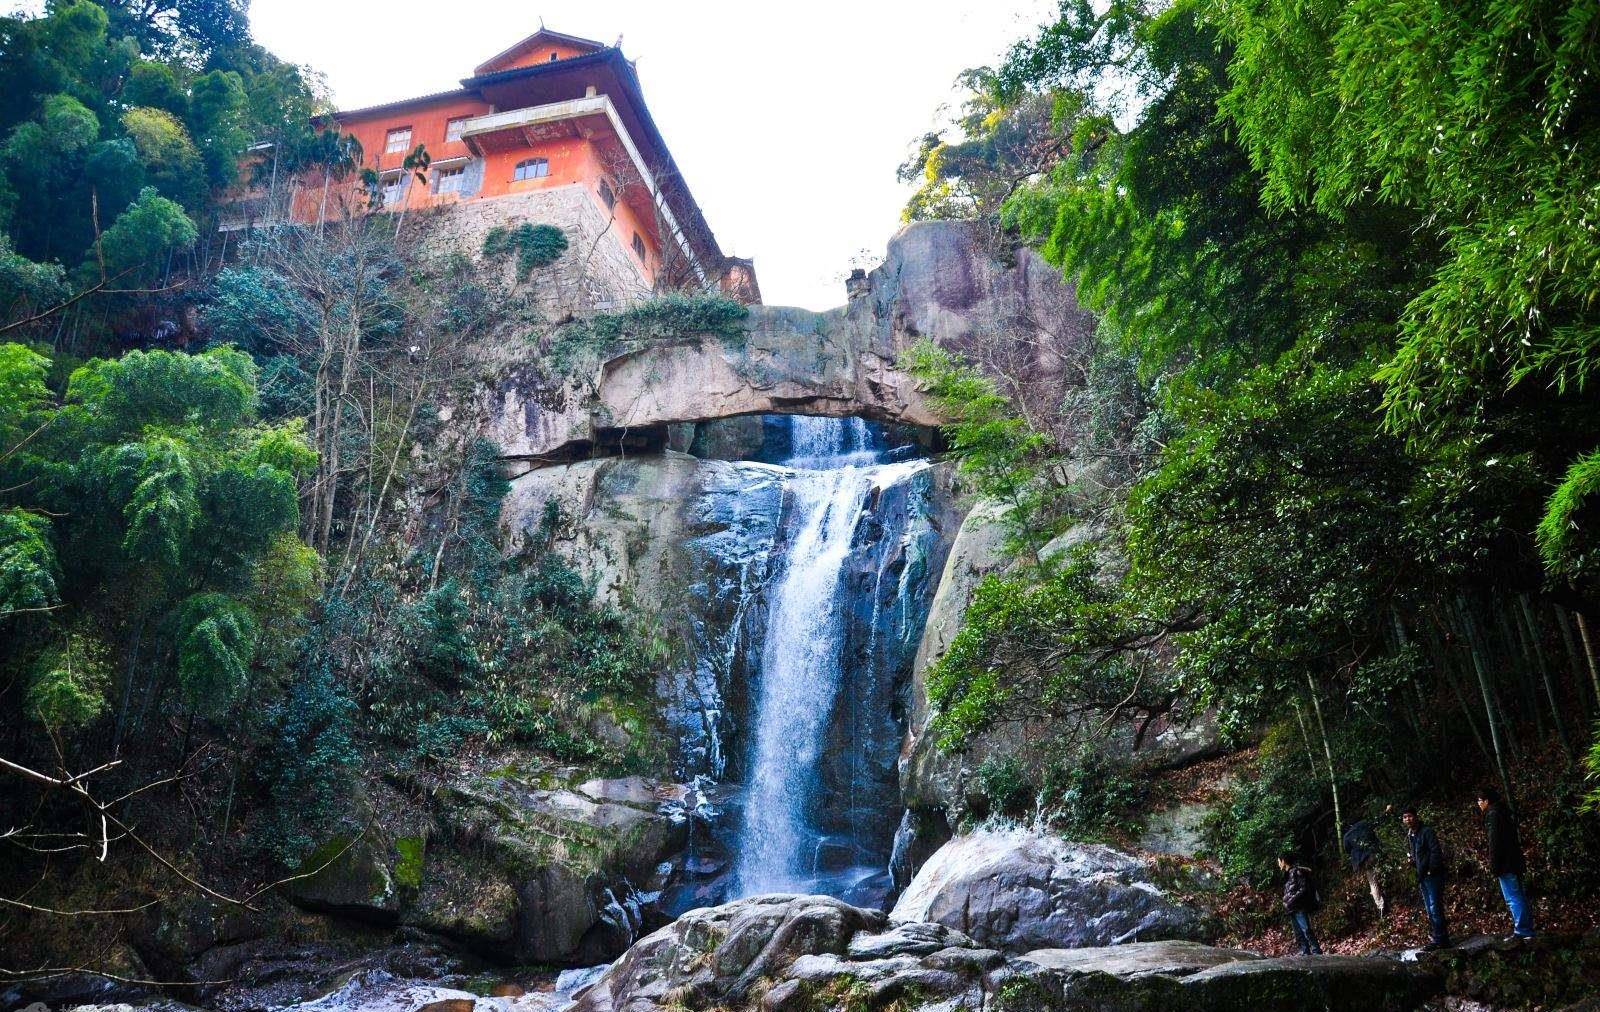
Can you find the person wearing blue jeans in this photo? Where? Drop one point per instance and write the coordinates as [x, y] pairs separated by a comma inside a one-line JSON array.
[[1506, 862], [1300, 901], [1427, 857]]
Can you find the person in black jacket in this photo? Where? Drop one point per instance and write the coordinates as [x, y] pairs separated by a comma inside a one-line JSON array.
[[1300, 901], [1505, 860], [1427, 857], [1361, 847]]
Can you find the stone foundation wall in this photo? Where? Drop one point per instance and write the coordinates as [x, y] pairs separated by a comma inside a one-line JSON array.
[[598, 272]]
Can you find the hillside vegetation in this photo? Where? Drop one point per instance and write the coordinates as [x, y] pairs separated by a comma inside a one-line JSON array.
[[1338, 440]]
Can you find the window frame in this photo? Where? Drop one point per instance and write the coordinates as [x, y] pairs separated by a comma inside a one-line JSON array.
[[608, 196], [640, 249], [395, 182], [539, 162], [458, 173], [389, 140], [452, 128]]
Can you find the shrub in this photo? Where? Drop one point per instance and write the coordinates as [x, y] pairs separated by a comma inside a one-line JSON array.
[[1003, 782], [671, 317], [1093, 795], [535, 246], [306, 765]]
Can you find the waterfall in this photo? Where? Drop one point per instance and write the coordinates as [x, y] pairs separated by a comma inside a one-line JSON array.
[[822, 737]]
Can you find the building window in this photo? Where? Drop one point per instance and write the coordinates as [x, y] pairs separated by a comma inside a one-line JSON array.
[[554, 57], [394, 188], [451, 180], [398, 140], [532, 168], [452, 129], [638, 246], [606, 195]]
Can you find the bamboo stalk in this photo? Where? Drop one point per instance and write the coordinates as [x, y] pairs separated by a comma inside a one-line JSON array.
[[1572, 653], [1327, 751], [1488, 699], [1447, 673], [1588, 652], [1532, 633]]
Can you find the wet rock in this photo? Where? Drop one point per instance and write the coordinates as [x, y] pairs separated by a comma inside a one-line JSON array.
[[552, 879], [172, 936], [1174, 958], [717, 955], [1018, 890], [922, 832], [68, 989], [1549, 971], [907, 939], [805, 953]]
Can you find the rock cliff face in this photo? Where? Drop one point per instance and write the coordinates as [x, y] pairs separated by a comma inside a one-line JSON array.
[[936, 282]]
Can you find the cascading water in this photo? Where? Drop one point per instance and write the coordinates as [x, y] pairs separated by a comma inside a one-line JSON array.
[[819, 772]]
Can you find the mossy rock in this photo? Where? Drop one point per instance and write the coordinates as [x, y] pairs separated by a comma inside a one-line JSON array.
[[354, 876], [461, 896]]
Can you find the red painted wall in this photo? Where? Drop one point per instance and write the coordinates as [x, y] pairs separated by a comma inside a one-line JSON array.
[[572, 160]]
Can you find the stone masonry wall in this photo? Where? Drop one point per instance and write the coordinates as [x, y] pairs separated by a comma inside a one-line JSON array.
[[598, 272]]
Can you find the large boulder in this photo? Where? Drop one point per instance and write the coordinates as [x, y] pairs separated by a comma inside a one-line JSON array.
[[1161, 976], [786, 953], [1018, 890], [554, 868], [718, 955]]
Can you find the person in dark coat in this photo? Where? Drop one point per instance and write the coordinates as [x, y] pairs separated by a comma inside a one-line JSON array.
[[1427, 857], [1300, 901], [1362, 849], [1506, 862]]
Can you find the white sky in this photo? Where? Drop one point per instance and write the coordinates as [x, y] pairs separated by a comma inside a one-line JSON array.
[[787, 119]]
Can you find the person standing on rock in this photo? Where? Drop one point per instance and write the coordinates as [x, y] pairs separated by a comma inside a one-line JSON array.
[[1300, 901], [1427, 857], [1363, 850], [1506, 862]]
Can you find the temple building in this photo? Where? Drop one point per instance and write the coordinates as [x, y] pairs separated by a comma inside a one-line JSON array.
[[552, 130]]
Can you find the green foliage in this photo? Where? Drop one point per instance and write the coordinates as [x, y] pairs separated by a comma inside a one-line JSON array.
[[1090, 796], [1561, 542], [1003, 782], [215, 649], [22, 390], [155, 475], [68, 689], [212, 391], [1042, 640], [1004, 137], [26, 286], [305, 769], [161, 140], [28, 568], [140, 238], [161, 507], [673, 317], [1269, 206], [96, 103], [1006, 459], [535, 245]]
